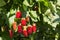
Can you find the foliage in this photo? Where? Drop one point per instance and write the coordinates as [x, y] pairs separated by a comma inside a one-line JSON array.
[[45, 13]]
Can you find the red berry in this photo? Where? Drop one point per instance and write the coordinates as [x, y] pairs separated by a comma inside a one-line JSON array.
[[34, 27], [18, 14], [10, 33], [29, 29], [25, 33], [23, 22], [19, 28]]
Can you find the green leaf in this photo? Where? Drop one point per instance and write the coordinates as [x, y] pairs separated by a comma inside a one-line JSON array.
[[25, 2], [33, 13], [46, 3], [12, 11], [34, 19], [0, 38], [2, 3], [34, 16], [52, 7], [25, 7], [11, 20], [57, 20], [58, 11], [58, 2], [40, 0]]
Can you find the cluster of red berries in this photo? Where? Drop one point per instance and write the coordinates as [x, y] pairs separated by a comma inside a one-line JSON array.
[[23, 28]]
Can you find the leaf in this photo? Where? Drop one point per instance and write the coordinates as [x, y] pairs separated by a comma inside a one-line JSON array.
[[39, 0], [34, 19], [25, 2], [58, 2], [46, 3], [34, 16], [2, 3], [11, 20], [25, 7], [58, 11], [33, 13], [8, 14], [52, 7], [0, 38], [57, 20], [12, 11]]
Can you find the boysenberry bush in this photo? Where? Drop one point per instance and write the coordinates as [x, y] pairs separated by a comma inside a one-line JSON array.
[[29, 19]]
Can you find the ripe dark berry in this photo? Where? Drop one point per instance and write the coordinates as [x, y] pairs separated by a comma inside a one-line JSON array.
[[29, 29], [23, 22], [19, 28], [34, 27], [25, 33], [18, 14]]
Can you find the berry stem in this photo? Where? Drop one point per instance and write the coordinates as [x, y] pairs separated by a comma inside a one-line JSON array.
[[32, 38]]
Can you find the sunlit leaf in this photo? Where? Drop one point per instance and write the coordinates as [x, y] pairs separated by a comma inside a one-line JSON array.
[[0, 38], [33, 16], [52, 7], [11, 20], [58, 2], [33, 13], [25, 2], [58, 11], [57, 20]]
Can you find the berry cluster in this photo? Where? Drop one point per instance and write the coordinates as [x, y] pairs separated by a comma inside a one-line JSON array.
[[22, 27]]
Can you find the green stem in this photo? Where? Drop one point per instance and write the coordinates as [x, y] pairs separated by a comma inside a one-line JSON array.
[[32, 38], [39, 7]]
